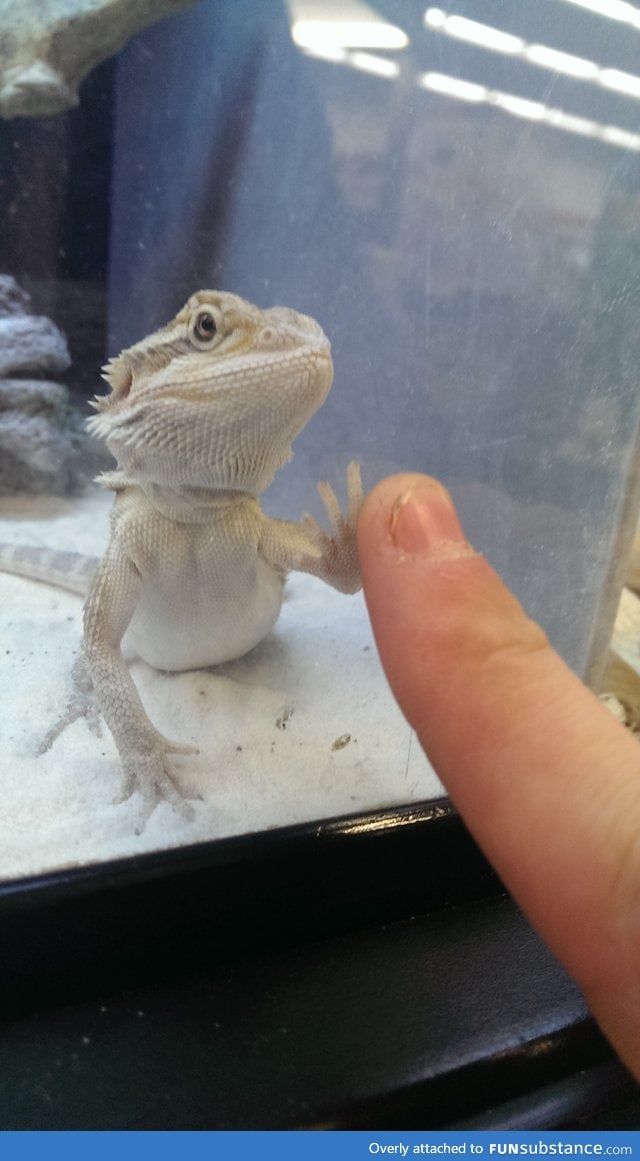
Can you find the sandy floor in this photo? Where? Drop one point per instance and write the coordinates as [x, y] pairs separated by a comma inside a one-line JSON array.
[[303, 728]]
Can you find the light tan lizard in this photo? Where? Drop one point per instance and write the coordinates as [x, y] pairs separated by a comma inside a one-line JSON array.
[[200, 416]]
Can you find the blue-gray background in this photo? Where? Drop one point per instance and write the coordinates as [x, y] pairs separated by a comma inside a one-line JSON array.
[[477, 273]]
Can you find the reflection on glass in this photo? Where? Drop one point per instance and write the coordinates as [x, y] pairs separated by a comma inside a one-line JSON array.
[[454, 194]]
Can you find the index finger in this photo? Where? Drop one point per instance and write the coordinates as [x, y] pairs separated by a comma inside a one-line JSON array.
[[544, 777]]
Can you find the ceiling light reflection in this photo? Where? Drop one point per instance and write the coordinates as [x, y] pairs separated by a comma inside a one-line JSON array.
[[571, 124], [621, 82], [531, 110], [348, 34], [330, 52], [452, 87], [560, 62], [622, 137], [612, 9], [483, 36], [377, 65], [470, 30]]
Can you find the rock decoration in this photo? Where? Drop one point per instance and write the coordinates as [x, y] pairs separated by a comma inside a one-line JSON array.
[[28, 342], [41, 442], [48, 46]]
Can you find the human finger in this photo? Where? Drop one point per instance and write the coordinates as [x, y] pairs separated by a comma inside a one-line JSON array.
[[544, 777]]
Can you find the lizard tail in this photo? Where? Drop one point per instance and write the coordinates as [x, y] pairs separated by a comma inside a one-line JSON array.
[[65, 570]]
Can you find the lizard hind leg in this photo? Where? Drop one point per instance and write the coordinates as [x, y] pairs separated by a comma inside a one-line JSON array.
[[81, 704], [155, 784]]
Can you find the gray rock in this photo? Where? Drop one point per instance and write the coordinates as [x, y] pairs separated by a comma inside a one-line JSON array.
[[28, 342], [35, 397], [13, 299], [35, 455], [42, 445], [31, 343], [48, 46]]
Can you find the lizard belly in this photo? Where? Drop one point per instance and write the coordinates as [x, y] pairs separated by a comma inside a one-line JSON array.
[[200, 621]]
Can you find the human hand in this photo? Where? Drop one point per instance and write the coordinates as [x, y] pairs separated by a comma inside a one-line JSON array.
[[544, 777]]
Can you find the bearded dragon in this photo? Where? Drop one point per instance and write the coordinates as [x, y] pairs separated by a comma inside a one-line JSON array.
[[200, 416]]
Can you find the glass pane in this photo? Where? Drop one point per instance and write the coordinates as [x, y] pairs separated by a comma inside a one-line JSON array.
[[454, 194]]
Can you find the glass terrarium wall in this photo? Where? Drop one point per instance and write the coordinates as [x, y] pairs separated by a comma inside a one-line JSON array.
[[455, 195], [55, 176]]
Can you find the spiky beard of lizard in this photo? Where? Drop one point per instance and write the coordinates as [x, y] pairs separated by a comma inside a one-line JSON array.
[[214, 399]]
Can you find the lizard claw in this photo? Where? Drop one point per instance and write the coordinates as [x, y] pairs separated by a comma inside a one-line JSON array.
[[149, 773], [81, 704], [337, 522], [184, 810], [339, 550]]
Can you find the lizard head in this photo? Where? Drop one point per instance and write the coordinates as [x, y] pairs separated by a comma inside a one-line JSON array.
[[215, 398]]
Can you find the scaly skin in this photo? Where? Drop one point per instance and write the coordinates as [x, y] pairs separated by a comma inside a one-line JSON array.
[[200, 416]]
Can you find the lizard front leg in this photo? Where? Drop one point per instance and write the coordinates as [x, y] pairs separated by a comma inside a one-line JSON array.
[[143, 749], [308, 548]]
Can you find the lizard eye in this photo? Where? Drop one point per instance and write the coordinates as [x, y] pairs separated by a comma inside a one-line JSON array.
[[204, 329]]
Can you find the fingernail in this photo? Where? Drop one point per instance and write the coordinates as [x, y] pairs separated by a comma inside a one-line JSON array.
[[423, 518]]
